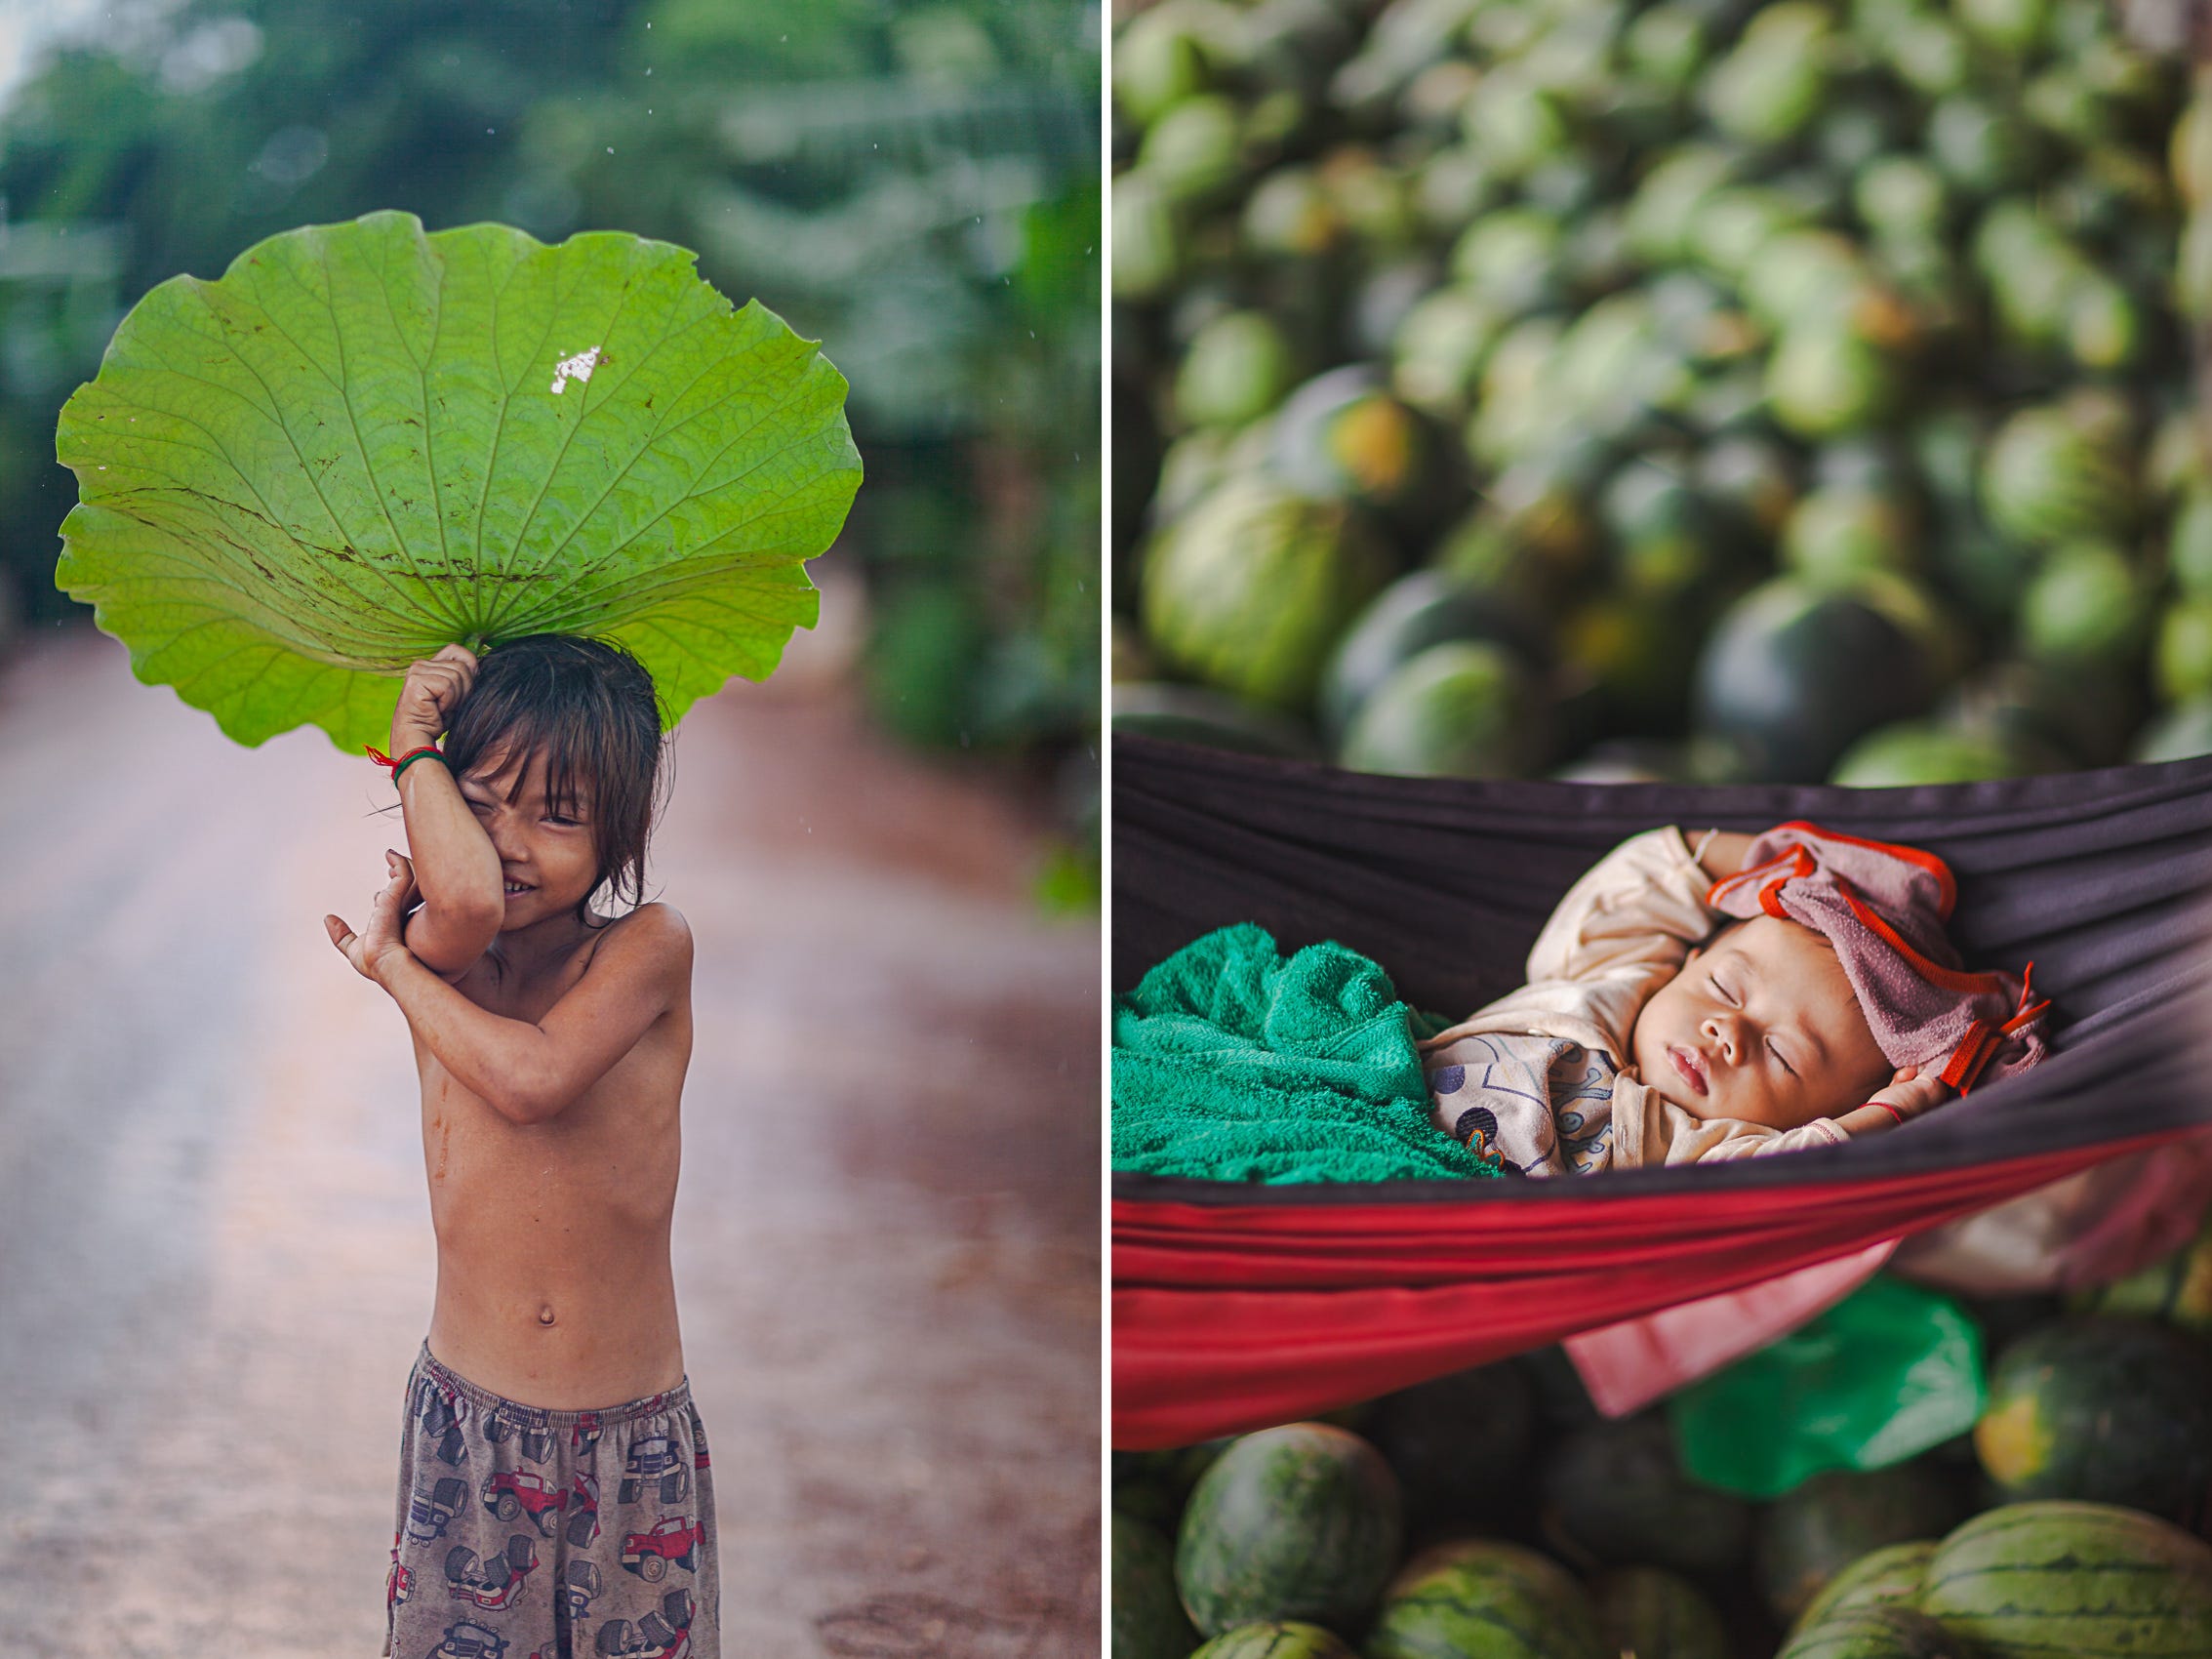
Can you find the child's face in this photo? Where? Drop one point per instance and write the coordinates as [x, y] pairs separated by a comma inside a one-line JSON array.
[[548, 854], [1764, 1027]]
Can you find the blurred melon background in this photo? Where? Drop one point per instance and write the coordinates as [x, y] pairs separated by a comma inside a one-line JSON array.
[[1683, 388]]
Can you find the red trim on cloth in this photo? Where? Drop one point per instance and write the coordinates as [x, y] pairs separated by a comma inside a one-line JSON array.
[[1948, 979], [1228, 1317], [1920, 856], [1970, 1056], [1799, 860]]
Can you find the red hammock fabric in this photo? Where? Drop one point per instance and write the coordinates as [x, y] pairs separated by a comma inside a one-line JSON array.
[[1265, 1314], [1237, 1306]]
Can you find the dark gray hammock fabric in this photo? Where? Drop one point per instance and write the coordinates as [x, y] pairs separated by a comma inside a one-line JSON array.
[[2101, 879]]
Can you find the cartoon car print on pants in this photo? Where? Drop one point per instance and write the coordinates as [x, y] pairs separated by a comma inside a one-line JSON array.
[[442, 1415], [470, 1639], [536, 1429], [399, 1583], [580, 1582], [673, 1539], [584, 1513], [583, 1436], [656, 1457], [430, 1513], [665, 1635], [511, 1493], [493, 1583]]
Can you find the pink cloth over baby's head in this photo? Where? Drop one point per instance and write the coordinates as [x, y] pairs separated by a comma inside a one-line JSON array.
[[1883, 907]]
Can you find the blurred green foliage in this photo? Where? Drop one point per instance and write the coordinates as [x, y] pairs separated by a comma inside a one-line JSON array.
[[914, 185]]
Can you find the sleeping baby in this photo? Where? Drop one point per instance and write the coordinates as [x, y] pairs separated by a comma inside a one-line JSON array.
[[1828, 1003]]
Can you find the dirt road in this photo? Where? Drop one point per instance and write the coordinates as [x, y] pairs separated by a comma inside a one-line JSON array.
[[215, 1249]]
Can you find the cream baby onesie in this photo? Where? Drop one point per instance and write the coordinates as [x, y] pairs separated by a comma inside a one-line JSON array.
[[1538, 1081]]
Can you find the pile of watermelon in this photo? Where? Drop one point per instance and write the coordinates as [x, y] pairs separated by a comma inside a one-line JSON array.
[[1493, 1514], [1687, 389]]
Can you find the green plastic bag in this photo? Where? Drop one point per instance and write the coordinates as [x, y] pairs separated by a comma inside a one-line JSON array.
[[1883, 1375]]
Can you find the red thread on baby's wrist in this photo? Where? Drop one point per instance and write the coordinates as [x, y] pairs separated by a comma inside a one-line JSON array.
[[1891, 1109]]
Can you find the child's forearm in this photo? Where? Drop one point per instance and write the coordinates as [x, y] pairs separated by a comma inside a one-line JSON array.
[[488, 1054], [456, 869]]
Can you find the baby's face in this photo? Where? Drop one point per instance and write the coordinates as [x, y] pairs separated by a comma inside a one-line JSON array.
[[1764, 1027]]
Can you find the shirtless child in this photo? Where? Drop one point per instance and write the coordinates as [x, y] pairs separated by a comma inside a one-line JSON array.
[[554, 1498]]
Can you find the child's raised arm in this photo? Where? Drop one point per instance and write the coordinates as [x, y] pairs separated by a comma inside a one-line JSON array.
[[457, 869], [529, 1072]]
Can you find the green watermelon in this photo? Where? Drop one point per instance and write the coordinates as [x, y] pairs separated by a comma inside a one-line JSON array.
[[1250, 589], [1769, 88], [1901, 196], [2177, 1289], [1877, 1633], [2072, 1581], [1614, 1494], [2182, 731], [1285, 1639], [1341, 436], [1212, 720], [1824, 378], [1290, 214], [1424, 608], [2086, 605], [1925, 752], [1838, 535], [1236, 368], [1465, 708], [1147, 1620], [1440, 347], [2106, 1409], [1791, 676], [1810, 1535], [1656, 1614], [1298, 1523], [2189, 544], [1891, 1576], [1478, 1599], [2046, 479], [1193, 152], [1147, 247], [2182, 658]]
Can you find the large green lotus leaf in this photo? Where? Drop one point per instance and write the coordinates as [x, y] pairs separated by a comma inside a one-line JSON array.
[[365, 442]]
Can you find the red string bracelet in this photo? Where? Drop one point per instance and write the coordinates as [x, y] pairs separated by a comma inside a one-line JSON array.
[[1891, 1109], [400, 765]]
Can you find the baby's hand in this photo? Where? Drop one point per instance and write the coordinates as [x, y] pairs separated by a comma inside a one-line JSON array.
[[433, 690], [387, 926], [1910, 1093]]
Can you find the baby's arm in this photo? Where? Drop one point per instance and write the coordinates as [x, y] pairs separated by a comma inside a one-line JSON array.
[[454, 865], [1910, 1093], [529, 1072], [1722, 851]]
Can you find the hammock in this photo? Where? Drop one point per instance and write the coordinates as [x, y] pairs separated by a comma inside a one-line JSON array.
[[1236, 1307]]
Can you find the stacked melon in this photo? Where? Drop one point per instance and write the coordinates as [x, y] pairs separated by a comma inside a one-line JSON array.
[[1686, 387], [1493, 1514]]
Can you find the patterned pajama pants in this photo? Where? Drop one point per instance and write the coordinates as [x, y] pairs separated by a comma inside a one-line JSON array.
[[533, 1534]]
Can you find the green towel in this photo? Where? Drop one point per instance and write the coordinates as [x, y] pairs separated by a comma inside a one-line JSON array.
[[1230, 1064]]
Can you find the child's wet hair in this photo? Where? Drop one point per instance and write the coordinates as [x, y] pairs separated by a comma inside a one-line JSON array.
[[590, 710]]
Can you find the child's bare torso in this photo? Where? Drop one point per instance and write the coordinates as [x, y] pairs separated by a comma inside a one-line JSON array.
[[554, 1286]]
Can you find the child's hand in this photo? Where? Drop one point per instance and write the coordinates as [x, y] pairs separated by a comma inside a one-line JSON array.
[[1910, 1093], [385, 929], [433, 690]]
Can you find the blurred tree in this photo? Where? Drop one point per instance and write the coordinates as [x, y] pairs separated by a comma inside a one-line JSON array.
[[915, 183]]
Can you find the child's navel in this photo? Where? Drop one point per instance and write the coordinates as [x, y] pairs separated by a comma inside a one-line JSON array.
[[545, 1314]]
